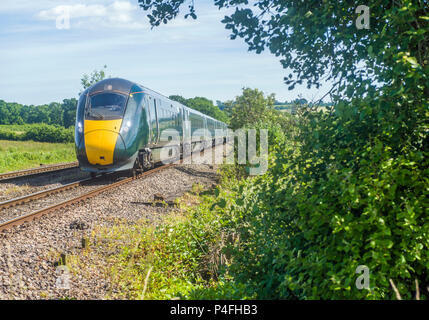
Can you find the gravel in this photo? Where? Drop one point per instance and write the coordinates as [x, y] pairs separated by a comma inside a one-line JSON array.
[[29, 253], [20, 186], [34, 205]]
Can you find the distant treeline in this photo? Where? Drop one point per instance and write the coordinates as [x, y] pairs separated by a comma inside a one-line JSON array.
[[54, 122], [60, 114], [64, 114]]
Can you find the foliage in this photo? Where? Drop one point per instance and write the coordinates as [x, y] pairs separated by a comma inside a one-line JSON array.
[[203, 105], [55, 113], [61, 114], [179, 99], [37, 132], [69, 112], [307, 224], [94, 77], [207, 107], [47, 133], [178, 257], [250, 107], [351, 187], [318, 40], [18, 155]]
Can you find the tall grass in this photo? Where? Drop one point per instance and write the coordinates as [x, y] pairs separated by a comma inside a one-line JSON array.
[[18, 155]]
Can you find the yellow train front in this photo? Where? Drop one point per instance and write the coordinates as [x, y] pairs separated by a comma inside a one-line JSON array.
[[120, 126]]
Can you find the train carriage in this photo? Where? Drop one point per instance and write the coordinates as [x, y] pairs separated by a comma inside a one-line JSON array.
[[121, 125]]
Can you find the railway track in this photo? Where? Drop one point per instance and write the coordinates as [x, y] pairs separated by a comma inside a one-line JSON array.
[[41, 194], [38, 195], [36, 171]]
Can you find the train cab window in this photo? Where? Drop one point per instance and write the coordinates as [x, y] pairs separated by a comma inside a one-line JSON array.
[[106, 106]]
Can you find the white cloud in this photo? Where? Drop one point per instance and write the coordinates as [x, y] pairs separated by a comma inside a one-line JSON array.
[[75, 11], [16, 6], [119, 14]]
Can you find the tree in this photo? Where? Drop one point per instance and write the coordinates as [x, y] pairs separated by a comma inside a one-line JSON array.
[[94, 77], [55, 113], [207, 107], [250, 108], [40, 114], [203, 105], [4, 113], [350, 189], [179, 99], [300, 101], [220, 105], [386, 65], [69, 112], [319, 40]]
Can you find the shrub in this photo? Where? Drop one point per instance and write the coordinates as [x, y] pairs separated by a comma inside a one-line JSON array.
[[9, 135], [37, 132], [48, 133], [352, 191]]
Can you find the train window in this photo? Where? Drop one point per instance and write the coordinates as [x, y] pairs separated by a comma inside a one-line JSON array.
[[106, 106]]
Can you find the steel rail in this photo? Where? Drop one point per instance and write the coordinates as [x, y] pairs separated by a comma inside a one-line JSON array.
[[36, 214], [36, 171], [42, 194]]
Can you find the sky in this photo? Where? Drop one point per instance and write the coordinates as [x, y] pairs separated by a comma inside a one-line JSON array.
[[42, 61]]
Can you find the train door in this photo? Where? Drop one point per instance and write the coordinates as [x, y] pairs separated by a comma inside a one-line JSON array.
[[179, 122], [206, 134], [186, 132], [153, 118]]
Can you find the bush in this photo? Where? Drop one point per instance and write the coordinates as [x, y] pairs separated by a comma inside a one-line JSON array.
[[352, 191], [9, 135], [37, 132], [48, 133]]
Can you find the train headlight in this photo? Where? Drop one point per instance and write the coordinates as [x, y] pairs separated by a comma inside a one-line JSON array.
[[79, 127]]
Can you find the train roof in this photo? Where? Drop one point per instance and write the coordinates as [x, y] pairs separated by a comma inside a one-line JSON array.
[[175, 102], [124, 86], [111, 84]]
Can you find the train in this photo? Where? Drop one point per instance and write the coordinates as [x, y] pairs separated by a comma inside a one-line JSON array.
[[122, 125]]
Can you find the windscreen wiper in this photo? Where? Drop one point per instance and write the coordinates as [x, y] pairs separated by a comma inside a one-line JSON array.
[[95, 114]]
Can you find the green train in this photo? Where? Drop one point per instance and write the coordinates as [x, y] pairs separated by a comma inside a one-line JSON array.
[[121, 125]]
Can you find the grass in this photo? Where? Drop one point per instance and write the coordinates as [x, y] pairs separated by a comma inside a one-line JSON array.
[[19, 155], [15, 190], [177, 257]]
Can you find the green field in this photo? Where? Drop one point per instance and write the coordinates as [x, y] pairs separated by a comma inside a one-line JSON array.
[[18, 155]]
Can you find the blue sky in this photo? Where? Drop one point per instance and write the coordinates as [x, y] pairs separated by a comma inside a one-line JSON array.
[[41, 64]]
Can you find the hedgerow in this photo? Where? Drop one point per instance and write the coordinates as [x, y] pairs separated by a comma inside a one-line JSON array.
[[37, 132], [48, 133], [341, 199]]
